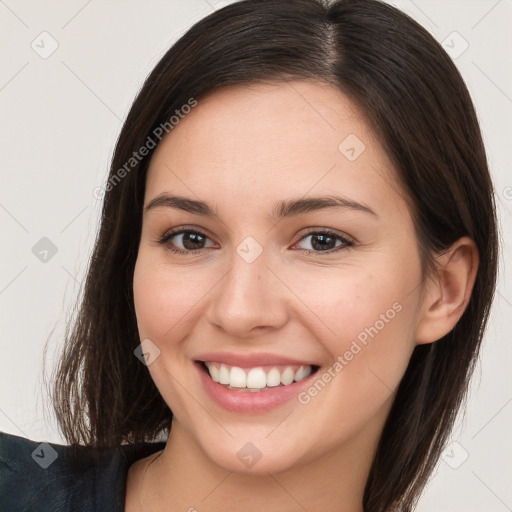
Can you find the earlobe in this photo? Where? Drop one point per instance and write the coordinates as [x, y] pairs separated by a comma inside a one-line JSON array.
[[448, 291]]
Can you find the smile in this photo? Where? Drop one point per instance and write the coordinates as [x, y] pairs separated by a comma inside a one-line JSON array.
[[253, 389], [259, 378]]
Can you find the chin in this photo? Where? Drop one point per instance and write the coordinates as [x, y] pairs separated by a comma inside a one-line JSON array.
[[250, 460]]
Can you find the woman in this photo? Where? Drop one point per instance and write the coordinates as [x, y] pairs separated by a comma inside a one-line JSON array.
[[297, 257]]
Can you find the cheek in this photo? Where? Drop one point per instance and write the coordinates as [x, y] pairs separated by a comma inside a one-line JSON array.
[[166, 306], [165, 299], [365, 317], [348, 300], [366, 327]]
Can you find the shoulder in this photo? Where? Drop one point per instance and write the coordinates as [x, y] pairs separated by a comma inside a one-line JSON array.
[[39, 476]]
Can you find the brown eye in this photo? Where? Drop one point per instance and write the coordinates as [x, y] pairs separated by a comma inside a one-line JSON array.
[[191, 240], [184, 241], [326, 242]]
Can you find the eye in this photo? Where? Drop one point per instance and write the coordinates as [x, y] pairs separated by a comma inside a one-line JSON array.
[[326, 241], [185, 241], [191, 240]]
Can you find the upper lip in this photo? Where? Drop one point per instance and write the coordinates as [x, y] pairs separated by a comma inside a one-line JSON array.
[[251, 360]]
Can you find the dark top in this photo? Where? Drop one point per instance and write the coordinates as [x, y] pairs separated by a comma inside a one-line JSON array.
[[48, 477]]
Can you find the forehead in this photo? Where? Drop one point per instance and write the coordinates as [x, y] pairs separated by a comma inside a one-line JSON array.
[[271, 140]]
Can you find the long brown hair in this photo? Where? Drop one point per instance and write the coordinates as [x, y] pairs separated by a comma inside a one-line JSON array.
[[417, 103]]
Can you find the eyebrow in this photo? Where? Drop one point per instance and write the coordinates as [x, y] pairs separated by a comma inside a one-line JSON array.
[[181, 203], [281, 209]]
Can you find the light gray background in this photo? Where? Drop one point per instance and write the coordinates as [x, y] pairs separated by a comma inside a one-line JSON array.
[[60, 117]]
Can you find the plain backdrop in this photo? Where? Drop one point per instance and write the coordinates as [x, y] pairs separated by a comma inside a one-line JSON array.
[[69, 72]]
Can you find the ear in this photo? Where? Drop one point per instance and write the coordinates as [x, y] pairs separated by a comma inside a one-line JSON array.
[[448, 291]]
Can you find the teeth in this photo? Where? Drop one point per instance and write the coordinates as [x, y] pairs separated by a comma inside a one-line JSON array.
[[287, 376], [237, 377], [273, 378], [223, 374], [302, 373], [256, 378], [214, 373]]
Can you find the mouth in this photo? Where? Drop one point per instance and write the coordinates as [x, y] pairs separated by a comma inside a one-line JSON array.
[[256, 379]]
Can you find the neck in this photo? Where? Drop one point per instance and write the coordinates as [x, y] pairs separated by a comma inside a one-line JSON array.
[[184, 478]]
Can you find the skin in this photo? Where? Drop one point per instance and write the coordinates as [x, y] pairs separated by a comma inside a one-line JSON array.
[[241, 150]]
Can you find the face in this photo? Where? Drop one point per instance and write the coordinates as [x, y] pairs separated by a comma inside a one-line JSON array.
[[269, 286]]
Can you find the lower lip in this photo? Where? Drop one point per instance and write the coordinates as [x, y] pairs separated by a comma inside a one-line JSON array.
[[250, 401]]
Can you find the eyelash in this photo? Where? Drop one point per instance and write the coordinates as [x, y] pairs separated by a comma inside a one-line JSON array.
[[347, 243]]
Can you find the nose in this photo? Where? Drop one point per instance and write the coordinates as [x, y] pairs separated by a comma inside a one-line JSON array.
[[249, 300]]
